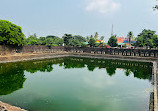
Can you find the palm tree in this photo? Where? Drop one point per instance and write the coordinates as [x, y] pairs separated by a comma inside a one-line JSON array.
[[96, 36], [130, 36]]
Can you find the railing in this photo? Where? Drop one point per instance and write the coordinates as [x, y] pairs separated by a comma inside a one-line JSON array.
[[114, 51], [92, 50]]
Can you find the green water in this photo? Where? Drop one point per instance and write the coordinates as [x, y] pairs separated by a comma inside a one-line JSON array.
[[76, 84]]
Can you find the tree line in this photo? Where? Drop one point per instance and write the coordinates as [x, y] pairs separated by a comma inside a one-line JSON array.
[[147, 38], [11, 34]]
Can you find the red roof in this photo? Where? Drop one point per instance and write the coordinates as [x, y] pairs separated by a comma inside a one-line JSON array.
[[108, 46], [120, 39]]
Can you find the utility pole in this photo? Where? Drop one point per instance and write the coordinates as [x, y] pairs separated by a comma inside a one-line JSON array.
[[112, 31]]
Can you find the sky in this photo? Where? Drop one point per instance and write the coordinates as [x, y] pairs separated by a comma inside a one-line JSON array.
[[80, 17]]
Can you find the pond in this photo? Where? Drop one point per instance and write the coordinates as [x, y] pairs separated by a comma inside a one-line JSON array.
[[77, 84]]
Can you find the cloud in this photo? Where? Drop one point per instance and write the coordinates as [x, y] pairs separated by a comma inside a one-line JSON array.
[[102, 6], [99, 81]]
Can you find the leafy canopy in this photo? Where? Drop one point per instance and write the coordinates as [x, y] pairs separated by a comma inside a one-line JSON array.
[[96, 36], [130, 36], [49, 40], [113, 41], [75, 40], [92, 42], [10, 34], [147, 38]]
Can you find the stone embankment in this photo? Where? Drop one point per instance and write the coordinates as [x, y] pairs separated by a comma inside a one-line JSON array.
[[24, 57], [36, 56]]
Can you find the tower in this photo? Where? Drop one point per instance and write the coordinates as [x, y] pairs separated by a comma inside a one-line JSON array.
[[112, 30]]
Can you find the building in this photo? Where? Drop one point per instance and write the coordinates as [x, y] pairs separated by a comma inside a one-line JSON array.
[[124, 42]]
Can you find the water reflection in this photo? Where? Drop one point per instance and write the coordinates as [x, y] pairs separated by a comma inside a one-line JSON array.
[[11, 78], [12, 74]]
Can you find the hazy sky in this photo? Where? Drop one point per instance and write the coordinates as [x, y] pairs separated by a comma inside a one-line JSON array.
[[80, 17]]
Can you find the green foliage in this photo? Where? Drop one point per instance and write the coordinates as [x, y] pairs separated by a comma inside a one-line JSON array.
[[97, 44], [42, 41], [11, 78], [130, 36], [83, 45], [10, 34], [79, 38], [113, 41], [87, 38], [54, 45], [49, 40], [58, 41], [51, 36], [66, 38], [127, 72], [76, 40], [54, 41], [147, 38], [96, 36], [92, 42], [102, 38], [91, 36], [31, 40], [111, 70], [155, 40]]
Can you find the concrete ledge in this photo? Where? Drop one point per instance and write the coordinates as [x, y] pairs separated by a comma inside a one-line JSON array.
[[155, 85], [24, 57]]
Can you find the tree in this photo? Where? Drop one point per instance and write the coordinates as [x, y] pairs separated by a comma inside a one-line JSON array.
[[87, 38], [79, 38], [10, 34], [155, 40], [145, 38], [49, 41], [73, 42], [51, 36], [130, 36], [91, 36], [113, 41], [96, 36], [139, 42], [31, 40], [58, 41], [76, 40], [42, 41], [92, 42], [102, 38], [66, 38]]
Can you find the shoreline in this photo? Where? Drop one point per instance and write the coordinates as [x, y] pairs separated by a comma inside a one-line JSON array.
[[27, 57], [7, 107]]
